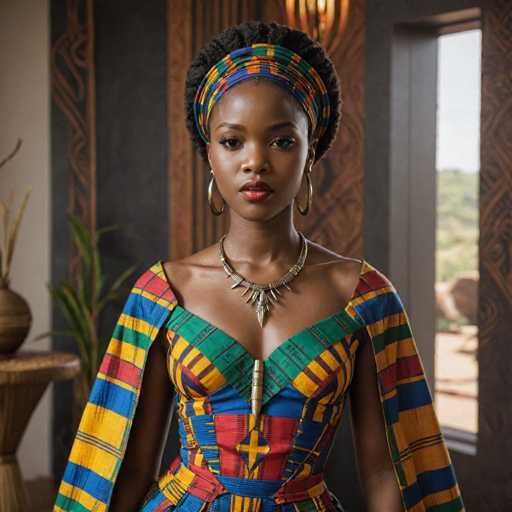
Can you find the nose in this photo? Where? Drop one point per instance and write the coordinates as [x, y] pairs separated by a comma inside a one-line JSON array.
[[256, 159]]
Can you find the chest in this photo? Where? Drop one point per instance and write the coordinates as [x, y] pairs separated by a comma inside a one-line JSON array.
[[212, 303]]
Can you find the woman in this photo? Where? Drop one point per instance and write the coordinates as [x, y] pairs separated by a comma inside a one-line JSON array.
[[259, 338]]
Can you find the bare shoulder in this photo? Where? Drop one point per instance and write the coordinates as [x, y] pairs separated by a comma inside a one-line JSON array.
[[343, 271], [319, 255], [181, 271]]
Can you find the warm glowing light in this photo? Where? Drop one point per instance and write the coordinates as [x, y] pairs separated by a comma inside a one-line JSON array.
[[324, 20]]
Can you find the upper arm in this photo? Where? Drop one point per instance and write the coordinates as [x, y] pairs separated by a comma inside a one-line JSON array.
[[367, 415], [141, 462], [153, 412]]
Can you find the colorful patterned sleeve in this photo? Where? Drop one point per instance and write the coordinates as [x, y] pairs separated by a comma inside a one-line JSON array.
[[420, 457], [100, 442]]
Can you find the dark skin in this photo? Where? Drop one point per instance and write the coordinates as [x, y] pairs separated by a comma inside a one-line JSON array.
[[261, 243]]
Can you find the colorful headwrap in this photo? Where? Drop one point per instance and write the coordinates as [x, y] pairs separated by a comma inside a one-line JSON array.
[[270, 61]]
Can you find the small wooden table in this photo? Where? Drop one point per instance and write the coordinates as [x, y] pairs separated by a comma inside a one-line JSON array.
[[24, 377]]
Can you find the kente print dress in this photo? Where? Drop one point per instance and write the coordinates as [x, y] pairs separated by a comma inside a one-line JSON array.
[[229, 460]]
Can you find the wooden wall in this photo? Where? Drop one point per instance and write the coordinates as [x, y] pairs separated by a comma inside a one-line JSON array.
[[490, 473]]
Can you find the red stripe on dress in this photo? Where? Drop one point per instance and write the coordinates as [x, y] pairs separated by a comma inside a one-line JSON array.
[[230, 429], [204, 484], [280, 433], [164, 505], [374, 281], [153, 283], [121, 370], [404, 368]]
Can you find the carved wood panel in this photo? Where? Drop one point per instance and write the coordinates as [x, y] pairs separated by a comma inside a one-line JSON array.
[[495, 245], [73, 91]]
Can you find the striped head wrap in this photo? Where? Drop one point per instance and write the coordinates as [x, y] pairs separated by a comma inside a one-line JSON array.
[[270, 61]]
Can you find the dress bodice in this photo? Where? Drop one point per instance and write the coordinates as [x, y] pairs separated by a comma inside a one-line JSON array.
[[305, 381]]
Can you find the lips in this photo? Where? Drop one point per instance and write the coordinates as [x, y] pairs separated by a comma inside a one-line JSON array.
[[255, 196], [256, 186]]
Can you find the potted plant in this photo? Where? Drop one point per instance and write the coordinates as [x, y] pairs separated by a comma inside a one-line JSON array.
[[15, 314], [82, 301]]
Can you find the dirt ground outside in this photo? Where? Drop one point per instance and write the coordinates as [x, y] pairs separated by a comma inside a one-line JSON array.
[[456, 388]]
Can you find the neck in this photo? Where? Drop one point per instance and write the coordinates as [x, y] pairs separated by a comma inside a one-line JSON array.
[[260, 244]]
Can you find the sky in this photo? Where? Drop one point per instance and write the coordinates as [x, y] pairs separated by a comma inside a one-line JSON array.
[[458, 112]]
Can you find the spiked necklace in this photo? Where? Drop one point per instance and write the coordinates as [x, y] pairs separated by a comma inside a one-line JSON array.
[[262, 296]]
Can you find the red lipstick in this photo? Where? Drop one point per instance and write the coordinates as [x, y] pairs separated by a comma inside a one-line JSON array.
[[256, 190]]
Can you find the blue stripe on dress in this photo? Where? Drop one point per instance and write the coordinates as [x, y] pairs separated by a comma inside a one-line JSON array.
[[412, 395], [113, 397], [88, 480]]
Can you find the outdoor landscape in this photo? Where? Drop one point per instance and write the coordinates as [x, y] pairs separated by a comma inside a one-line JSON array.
[[456, 390]]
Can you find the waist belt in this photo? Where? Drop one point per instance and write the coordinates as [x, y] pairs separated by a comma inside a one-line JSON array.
[[202, 483]]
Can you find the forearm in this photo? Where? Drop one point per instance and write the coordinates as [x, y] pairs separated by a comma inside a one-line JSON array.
[[381, 492]]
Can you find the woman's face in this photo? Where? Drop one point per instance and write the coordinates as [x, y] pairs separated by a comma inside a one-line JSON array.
[[258, 131]]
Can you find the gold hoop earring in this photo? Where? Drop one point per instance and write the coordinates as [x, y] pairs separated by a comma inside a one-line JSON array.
[[304, 211], [213, 208]]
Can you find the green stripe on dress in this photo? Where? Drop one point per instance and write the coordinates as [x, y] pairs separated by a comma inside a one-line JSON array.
[[63, 502], [390, 336], [228, 356], [288, 360], [131, 336]]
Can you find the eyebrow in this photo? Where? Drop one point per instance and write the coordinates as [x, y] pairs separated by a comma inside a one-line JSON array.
[[275, 126]]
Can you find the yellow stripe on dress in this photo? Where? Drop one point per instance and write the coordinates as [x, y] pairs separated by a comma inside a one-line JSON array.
[[126, 352], [136, 324], [442, 497], [175, 485], [81, 497], [94, 420], [407, 348], [427, 424], [93, 457], [155, 299], [211, 380]]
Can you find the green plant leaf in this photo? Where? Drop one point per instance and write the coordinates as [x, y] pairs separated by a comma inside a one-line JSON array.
[[74, 313], [82, 239], [101, 231], [115, 288], [100, 290], [83, 292]]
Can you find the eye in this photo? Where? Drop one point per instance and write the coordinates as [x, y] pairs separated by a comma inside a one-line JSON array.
[[285, 142], [229, 143]]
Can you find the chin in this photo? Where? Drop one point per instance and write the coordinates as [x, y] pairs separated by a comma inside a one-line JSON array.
[[260, 212]]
